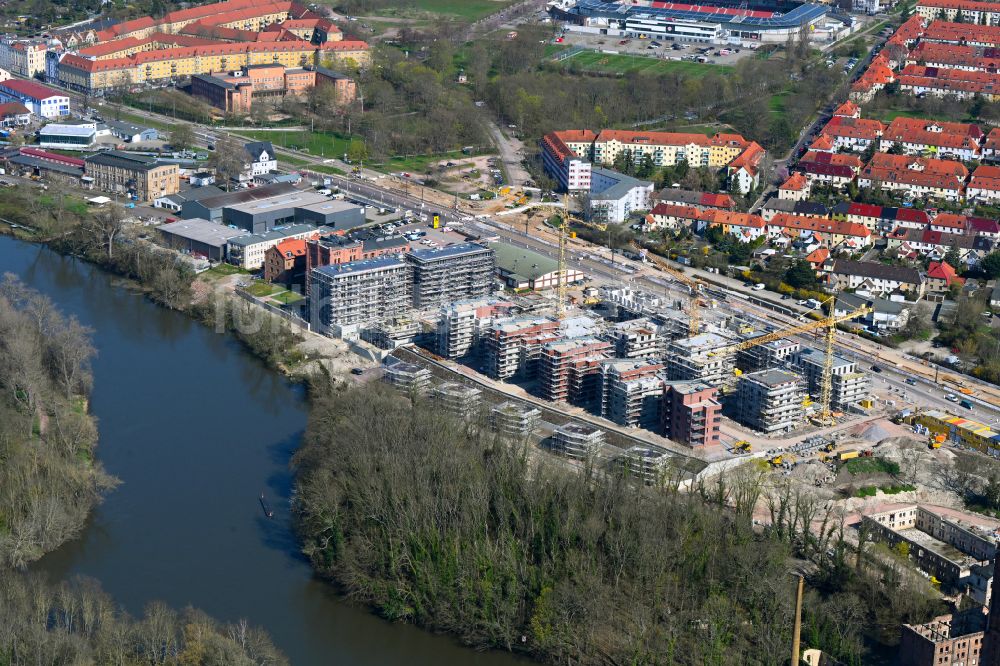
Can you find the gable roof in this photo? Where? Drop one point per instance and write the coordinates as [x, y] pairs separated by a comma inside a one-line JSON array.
[[256, 148], [942, 270], [902, 274]]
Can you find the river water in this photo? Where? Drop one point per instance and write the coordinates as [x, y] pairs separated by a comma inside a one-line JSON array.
[[196, 430]]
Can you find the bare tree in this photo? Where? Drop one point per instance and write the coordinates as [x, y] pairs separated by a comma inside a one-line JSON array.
[[106, 225], [230, 159]]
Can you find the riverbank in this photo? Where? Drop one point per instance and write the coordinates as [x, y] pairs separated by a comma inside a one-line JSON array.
[[50, 478], [197, 428], [209, 298]]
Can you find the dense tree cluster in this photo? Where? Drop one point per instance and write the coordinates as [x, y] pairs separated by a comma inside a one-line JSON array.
[[48, 477], [78, 623], [438, 523]]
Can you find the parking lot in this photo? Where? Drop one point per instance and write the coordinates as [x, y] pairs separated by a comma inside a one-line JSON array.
[[660, 48]]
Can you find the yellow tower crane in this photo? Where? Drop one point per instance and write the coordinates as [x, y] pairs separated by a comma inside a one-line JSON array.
[[695, 285], [829, 324]]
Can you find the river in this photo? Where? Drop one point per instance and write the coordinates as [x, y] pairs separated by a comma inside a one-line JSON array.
[[196, 429]]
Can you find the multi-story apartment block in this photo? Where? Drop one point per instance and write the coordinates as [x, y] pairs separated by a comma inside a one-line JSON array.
[[218, 37], [973, 12], [614, 196], [23, 57], [513, 346], [449, 274], [632, 393], [577, 440], [915, 176], [636, 338], [770, 401], [691, 414], [461, 326], [848, 386], [706, 357], [237, 91], [514, 421], [138, 176], [560, 148], [648, 464], [570, 371], [347, 295]]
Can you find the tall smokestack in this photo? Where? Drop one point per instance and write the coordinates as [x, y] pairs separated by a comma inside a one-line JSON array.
[[797, 631]]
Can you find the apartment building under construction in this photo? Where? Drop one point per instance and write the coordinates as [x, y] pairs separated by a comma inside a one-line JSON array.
[[848, 385], [702, 357], [513, 346], [774, 354], [570, 371], [358, 293], [648, 464], [636, 338], [691, 413], [449, 274], [770, 400], [514, 421], [577, 440], [461, 325], [457, 399], [632, 392]]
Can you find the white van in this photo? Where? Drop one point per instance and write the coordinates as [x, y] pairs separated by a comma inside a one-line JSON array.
[[758, 287]]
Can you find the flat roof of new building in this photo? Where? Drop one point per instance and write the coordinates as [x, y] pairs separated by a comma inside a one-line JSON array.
[[201, 231], [438, 253], [328, 206], [363, 266], [772, 377], [704, 342], [127, 128], [277, 233], [620, 188], [579, 429], [296, 199], [815, 356]]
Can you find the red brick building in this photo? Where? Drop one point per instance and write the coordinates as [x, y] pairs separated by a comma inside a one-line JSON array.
[[286, 261], [691, 414]]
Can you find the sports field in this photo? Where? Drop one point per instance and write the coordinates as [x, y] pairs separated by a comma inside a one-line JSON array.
[[594, 61]]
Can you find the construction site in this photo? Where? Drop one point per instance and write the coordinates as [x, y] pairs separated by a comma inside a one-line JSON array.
[[677, 368]]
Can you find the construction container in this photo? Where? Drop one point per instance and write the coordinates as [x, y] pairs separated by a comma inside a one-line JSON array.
[[848, 455]]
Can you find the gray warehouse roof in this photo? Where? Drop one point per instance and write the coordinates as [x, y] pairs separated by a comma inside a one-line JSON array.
[[295, 199], [122, 160], [275, 234], [194, 194], [244, 196], [201, 231]]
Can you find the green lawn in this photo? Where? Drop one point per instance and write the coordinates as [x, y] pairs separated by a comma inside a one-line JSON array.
[[223, 270], [469, 10], [262, 289], [888, 115], [287, 297], [593, 61], [417, 163], [109, 112], [321, 144]]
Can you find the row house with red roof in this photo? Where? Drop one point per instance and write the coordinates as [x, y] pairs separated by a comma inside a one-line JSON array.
[[942, 82], [975, 12], [916, 136], [919, 244], [834, 169], [954, 56], [877, 76], [915, 176], [984, 187], [833, 234], [962, 33], [853, 133]]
